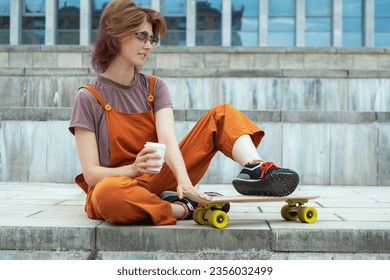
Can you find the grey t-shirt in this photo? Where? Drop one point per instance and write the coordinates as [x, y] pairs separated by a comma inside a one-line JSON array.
[[88, 113]]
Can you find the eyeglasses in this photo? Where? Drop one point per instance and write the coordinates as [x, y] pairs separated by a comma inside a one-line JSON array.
[[144, 36]]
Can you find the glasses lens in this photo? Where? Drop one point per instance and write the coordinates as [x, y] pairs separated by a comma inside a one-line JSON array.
[[154, 39], [144, 36]]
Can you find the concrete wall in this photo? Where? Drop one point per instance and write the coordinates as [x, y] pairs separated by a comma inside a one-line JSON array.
[[326, 148], [325, 110], [211, 58]]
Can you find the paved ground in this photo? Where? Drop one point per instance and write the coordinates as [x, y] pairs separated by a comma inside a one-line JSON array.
[[47, 221]]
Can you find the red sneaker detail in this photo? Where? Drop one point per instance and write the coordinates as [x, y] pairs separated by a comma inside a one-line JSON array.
[[265, 166]]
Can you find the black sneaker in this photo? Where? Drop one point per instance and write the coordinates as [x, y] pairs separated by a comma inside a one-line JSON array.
[[172, 197], [266, 179]]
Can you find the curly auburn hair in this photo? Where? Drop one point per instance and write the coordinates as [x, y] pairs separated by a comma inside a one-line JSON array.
[[119, 19]]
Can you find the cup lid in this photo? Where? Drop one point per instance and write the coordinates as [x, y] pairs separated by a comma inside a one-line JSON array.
[[154, 144]]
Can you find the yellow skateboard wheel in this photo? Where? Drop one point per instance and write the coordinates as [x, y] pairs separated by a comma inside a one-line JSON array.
[[198, 216], [287, 214], [307, 215], [218, 219]]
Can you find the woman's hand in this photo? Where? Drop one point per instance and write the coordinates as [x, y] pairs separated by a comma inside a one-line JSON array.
[[182, 188], [142, 163]]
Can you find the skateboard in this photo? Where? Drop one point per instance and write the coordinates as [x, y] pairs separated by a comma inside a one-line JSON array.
[[214, 212]]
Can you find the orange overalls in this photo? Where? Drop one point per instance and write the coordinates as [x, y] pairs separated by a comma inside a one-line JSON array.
[[125, 200]]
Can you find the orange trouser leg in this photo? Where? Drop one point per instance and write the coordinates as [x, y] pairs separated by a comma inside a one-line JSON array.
[[216, 131], [121, 200]]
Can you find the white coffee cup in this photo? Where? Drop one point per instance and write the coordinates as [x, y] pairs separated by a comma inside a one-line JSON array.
[[160, 150]]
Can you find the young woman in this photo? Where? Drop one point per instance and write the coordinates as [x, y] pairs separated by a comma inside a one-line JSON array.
[[122, 109]]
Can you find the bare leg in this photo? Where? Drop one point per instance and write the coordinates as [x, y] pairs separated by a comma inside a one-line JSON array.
[[178, 210], [244, 150]]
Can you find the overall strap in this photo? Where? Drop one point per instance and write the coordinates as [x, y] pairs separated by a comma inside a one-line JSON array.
[[152, 80], [95, 93]]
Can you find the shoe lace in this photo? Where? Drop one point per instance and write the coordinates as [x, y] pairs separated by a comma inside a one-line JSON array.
[[265, 166]]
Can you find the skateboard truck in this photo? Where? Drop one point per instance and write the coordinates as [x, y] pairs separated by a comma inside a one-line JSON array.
[[294, 210], [212, 214]]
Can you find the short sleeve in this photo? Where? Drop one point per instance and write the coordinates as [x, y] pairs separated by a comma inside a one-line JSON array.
[[83, 111], [162, 96]]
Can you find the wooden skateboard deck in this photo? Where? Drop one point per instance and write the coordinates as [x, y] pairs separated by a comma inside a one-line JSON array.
[[214, 212], [247, 198]]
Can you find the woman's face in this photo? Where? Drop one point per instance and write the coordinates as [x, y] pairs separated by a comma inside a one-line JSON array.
[[135, 48]]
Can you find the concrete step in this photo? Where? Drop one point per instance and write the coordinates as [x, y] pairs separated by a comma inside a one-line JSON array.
[[325, 148], [246, 89], [266, 78], [47, 221]]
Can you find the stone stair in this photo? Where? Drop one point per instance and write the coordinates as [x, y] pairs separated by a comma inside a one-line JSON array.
[[325, 110]]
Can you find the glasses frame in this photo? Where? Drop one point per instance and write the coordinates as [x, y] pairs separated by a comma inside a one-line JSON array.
[[143, 36]]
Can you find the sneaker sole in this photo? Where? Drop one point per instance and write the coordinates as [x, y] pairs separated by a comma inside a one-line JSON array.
[[273, 185]]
